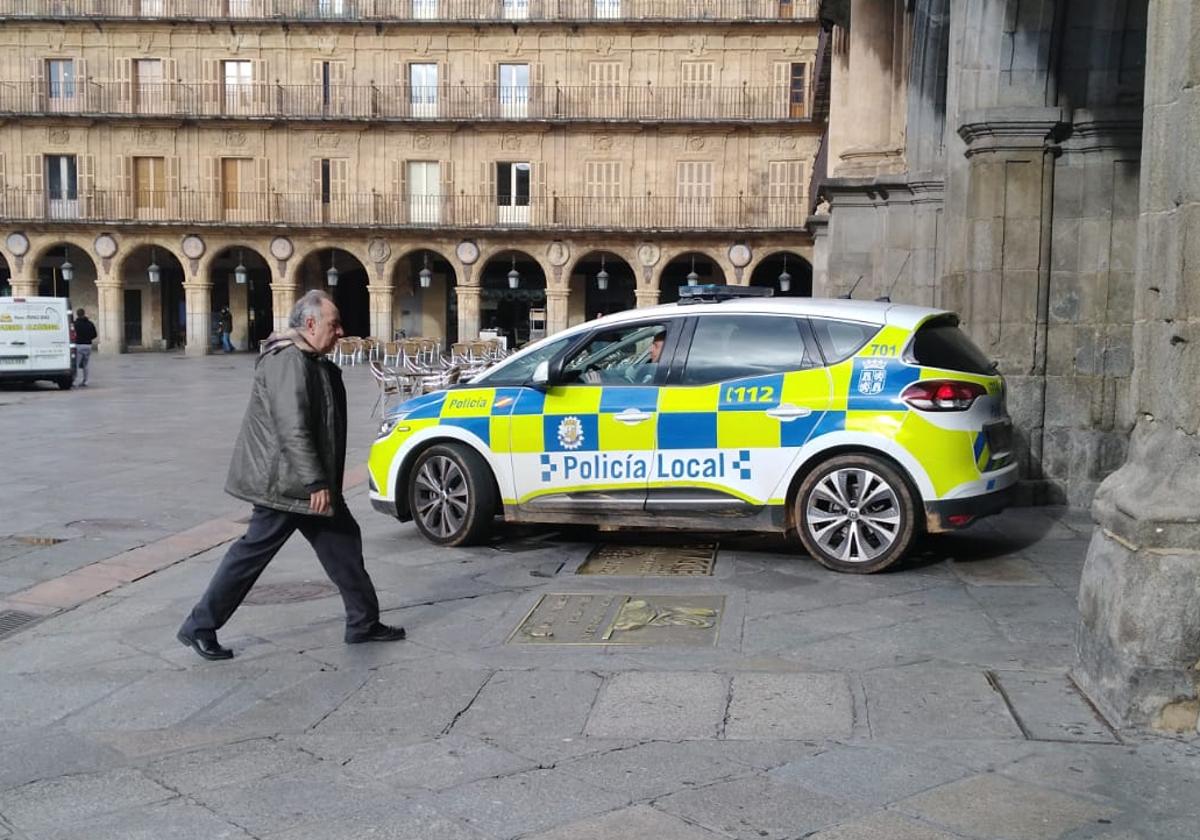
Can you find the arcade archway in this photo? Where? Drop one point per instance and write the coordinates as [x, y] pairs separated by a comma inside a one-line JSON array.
[[596, 270], [784, 268], [678, 272], [241, 281], [425, 311], [512, 294], [345, 278], [155, 306]]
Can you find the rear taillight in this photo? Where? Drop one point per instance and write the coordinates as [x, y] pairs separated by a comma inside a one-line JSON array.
[[942, 395]]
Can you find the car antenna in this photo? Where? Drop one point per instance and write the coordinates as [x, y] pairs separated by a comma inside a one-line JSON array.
[[888, 297], [850, 293]]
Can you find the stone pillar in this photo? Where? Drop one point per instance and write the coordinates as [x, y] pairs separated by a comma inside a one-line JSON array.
[[239, 308], [198, 295], [818, 226], [381, 310], [283, 297], [24, 280], [867, 141], [110, 316], [646, 297], [469, 299], [556, 310], [1139, 599]]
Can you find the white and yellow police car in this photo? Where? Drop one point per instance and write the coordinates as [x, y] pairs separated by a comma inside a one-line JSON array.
[[853, 424]]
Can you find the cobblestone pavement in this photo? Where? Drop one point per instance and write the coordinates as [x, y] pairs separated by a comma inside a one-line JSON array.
[[925, 704]]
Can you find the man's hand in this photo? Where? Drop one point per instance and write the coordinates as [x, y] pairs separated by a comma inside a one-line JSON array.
[[318, 501], [591, 377]]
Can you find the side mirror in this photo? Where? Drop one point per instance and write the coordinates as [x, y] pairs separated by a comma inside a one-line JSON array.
[[541, 376]]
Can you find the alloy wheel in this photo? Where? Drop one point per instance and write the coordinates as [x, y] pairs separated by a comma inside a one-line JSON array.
[[441, 497], [853, 514]]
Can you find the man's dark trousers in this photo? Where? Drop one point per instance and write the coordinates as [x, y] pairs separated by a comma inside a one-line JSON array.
[[338, 543]]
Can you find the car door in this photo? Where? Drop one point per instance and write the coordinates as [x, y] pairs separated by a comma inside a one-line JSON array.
[[734, 415], [597, 434]]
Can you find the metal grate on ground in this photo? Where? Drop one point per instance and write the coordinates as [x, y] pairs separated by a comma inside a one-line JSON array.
[[14, 621]]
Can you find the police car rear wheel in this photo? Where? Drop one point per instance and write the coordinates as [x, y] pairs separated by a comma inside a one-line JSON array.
[[451, 495], [855, 514]]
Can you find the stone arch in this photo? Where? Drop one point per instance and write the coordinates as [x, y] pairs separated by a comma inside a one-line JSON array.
[[250, 303], [489, 252], [586, 300], [767, 270], [351, 294], [673, 271], [431, 312], [46, 268], [155, 314], [505, 309]]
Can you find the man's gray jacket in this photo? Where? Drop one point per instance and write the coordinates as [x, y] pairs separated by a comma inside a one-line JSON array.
[[293, 438]]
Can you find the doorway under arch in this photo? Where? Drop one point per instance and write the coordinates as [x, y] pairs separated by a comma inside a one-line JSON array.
[[506, 309], [427, 312], [798, 274], [247, 293], [619, 294], [156, 311], [675, 274], [349, 292]]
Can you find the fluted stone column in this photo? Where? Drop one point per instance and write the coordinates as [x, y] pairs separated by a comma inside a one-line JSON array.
[[110, 316], [1139, 599], [197, 294], [469, 298], [556, 310], [283, 297], [381, 310]]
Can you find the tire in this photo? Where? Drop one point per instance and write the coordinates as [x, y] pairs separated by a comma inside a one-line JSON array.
[[839, 532], [452, 495], [65, 383]]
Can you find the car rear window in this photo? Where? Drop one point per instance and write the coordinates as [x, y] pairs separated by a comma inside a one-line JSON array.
[[739, 346], [941, 344], [840, 340]]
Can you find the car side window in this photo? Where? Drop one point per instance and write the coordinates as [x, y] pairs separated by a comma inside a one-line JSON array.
[[737, 346], [621, 355], [840, 340], [518, 371]]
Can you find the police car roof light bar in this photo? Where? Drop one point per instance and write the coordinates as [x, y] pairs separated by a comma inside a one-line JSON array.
[[715, 292]]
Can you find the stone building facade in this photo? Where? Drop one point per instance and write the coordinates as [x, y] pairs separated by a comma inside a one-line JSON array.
[[1030, 164], [643, 138]]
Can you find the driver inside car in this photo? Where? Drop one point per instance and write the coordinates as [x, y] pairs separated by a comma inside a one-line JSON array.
[[632, 372]]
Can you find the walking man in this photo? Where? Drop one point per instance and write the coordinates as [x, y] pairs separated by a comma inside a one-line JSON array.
[[85, 334], [226, 329], [288, 462]]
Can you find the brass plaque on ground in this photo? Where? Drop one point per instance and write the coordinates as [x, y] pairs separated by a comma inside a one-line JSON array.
[[651, 560], [605, 619]]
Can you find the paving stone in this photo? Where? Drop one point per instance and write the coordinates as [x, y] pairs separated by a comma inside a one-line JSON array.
[[44, 755], [239, 763], [789, 707], [638, 821], [155, 701], [400, 819], [931, 702], [174, 820], [876, 775], [883, 826], [661, 705], [758, 809], [40, 699], [416, 704], [1050, 708], [657, 768], [999, 571], [436, 765], [544, 703], [993, 806], [525, 802], [71, 800]]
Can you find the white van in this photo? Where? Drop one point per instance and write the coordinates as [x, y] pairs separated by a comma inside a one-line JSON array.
[[36, 340]]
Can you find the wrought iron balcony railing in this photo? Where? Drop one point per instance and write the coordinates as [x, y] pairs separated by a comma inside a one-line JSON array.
[[403, 103], [351, 11], [194, 208]]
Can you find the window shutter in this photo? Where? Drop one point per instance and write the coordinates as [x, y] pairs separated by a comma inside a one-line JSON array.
[[87, 172], [124, 70], [536, 81], [486, 204], [171, 199], [316, 179], [211, 82], [493, 79], [35, 168], [125, 186], [538, 197], [318, 74], [3, 179], [261, 166], [447, 191], [258, 71], [170, 77], [339, 178], [213, 188]]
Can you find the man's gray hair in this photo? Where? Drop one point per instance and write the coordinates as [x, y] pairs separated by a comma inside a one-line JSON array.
[[308, 306]]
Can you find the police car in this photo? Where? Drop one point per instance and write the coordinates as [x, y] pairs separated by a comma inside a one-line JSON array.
[[852, 424]]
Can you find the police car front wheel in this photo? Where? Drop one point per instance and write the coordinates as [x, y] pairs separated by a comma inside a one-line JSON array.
[[452, 495], [855, 514]]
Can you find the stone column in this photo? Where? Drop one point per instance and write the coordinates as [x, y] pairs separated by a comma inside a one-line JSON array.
[[110, 316], [24, 280], [469, 299], [198, 295], [867, 142], [239, 308], [818, 226], [556, 310], [381, 310], [646, 297], [1139, 599], [283, 297]]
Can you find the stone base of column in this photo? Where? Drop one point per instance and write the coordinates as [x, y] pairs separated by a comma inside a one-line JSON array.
[[1139, 599]]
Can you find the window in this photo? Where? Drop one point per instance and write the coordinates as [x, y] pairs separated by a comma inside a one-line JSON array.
[[697, 93], [62, 187], [238, 77], [604, 81], [737, 346], [60, 83], [237, 180], [514, 90], [424, 191], [148, 91], [602, 188], [785, 193], [423, 89], [626, 355], [515, 9], [518, 371], [694, 192], [331, 8], [606, 9], [840, 340], [512, 192], [425, 9], [797, 92], [149, 183], [939, 343]]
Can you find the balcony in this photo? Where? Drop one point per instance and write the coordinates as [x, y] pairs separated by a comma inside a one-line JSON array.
[[420, 11], [355, 210], [400, 103]]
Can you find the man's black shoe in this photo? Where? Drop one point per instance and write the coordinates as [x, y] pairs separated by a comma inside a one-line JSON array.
[[209, 648], [378, 633]]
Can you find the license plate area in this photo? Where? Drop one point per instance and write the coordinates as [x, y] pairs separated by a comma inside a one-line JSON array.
[[999, 439]]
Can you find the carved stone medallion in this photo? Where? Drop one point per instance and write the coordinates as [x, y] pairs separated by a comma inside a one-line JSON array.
[[58, 135], [17, 244], [378, 250], [281, 248], [739, 255], [467, 252], [192, 247], [648, 254], [105, 246], [558, 253]]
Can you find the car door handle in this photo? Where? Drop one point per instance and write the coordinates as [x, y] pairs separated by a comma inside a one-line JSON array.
[[787, 413], [632, 415]]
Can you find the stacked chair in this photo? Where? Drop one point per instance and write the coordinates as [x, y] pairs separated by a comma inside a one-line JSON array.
[[414, 366]]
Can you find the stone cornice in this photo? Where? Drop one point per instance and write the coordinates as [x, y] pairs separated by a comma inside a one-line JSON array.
[[1100, 129], [991, 130], [887, 190]]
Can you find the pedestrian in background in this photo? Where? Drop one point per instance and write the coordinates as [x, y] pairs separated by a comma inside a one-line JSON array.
[[85, 334], [226, 320], [289, 461]]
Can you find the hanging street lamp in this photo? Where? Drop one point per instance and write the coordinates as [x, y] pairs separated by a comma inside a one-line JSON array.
[[153, 272], [514, 276], [331, 276], [602, 276], [785, 279], [239, 273], [68, 270], [693, 279], [425, 276]]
